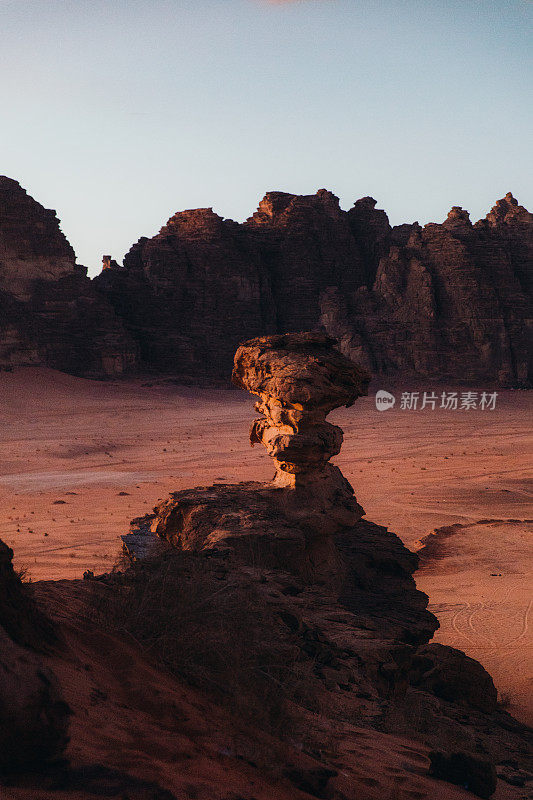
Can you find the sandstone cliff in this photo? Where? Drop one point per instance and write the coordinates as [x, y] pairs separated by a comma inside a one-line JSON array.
[[449, 302], [190, 294], [446, 301], [50, 313]]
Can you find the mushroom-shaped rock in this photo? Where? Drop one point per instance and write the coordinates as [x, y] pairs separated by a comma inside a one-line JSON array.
[[299, 371], [299, 379]]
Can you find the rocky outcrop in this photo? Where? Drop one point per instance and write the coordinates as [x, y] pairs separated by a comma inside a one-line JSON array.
[[452, 675], [371, 230], [306, 527], [449, 301], [334, 591], [512, 225], [34, 718], [321, 602], [299, 379], [50, 312]]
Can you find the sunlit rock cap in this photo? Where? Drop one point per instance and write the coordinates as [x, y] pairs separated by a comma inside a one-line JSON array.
[[299, 370]]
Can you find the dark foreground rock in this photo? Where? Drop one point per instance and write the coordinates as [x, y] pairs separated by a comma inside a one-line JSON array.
[[263, 641], [475, 774], [454, 676], [34, 718]]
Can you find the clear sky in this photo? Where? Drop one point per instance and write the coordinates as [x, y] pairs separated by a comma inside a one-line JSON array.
[[118, 113]]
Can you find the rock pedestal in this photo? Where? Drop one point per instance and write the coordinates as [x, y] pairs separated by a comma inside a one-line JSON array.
[[302, 537]]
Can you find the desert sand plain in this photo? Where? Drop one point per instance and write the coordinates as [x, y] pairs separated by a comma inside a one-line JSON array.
[[80, 458]]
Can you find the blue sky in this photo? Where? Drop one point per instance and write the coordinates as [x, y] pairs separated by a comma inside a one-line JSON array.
[[118, 113]]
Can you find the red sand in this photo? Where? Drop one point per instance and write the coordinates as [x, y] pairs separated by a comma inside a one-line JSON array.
[[69, 446]]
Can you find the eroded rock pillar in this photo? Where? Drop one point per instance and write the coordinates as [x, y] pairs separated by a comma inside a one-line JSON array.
[[299, 379]]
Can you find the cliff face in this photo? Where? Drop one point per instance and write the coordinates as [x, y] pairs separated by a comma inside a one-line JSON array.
[[306, 244], [450, 302], [190, 294], [50, 312], [199, 287], [447, 301], [513, 226]]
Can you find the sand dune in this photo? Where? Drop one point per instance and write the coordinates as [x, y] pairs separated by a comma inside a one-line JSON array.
[[80, 458]]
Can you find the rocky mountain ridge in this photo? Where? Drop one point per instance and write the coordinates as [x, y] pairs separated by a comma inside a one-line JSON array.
[[448, 301], [444, 301]]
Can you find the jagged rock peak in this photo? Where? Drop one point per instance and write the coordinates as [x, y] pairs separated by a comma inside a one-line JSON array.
[[9, 188], [364, 216], [51, 313], [193, 221], [327, 198], [507, 210], [272, 204], [12, 192], [365, 203], [457, 216], [276, 205], [108, 262]]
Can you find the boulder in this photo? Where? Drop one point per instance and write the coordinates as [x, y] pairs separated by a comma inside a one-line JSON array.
[[299, 379], [454, 676]]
